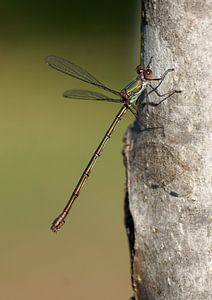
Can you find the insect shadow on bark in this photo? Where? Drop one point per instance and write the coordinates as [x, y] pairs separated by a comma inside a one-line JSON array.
[[158, 164]]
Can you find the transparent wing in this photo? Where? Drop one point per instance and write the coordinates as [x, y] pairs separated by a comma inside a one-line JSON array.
[[88, 95], [75, 71]]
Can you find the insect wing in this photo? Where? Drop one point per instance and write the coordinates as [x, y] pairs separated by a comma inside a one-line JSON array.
[[88, 95], [75, 71]]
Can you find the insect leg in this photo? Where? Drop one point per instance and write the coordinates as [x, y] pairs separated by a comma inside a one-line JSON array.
[[166, 95]]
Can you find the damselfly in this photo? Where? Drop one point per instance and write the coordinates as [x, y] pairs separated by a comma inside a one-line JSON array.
[[128, 96]]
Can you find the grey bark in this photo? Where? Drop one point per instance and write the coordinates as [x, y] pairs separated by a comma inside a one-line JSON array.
[[170, 240]]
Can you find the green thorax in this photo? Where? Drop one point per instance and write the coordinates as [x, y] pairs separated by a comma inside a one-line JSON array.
[[135, 88]]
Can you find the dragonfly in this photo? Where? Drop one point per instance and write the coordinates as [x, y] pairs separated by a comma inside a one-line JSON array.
[[128, 97]]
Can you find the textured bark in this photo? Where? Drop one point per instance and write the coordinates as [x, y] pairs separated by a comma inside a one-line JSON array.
[[169, 236]]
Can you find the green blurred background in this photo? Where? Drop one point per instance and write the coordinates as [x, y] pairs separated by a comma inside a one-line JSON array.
[[46, 141]]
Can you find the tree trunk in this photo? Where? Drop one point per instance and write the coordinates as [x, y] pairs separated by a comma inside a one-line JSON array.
[[170, 241]]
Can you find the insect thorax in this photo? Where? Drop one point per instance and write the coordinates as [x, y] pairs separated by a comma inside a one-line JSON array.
[[135, 88]]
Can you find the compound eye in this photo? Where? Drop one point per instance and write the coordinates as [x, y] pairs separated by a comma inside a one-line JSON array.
[[148, 74], [139, 69]]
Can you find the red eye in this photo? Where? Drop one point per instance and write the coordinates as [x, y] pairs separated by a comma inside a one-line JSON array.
[[148, 74]]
